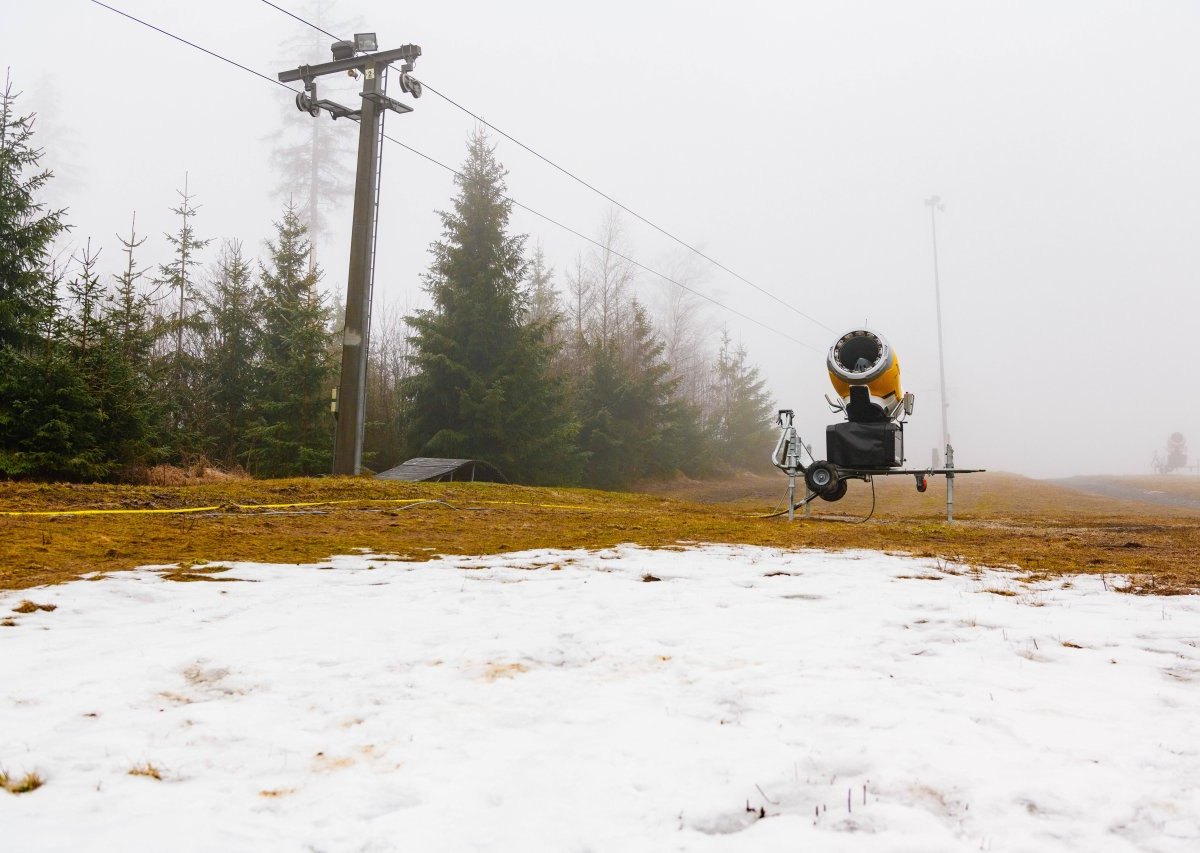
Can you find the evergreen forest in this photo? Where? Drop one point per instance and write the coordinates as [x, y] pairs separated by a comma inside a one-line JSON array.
[[227, 354]]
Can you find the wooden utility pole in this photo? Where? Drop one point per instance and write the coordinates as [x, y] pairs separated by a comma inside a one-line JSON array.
[[350, 403]]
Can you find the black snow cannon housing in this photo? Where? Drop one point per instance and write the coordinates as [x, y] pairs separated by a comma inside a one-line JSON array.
[[865, 445]]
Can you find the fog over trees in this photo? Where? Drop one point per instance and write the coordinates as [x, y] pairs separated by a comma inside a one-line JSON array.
[[227, 355], [793, 142]]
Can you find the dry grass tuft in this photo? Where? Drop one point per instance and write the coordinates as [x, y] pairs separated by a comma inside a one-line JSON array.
[[496, 671], [198, 573], [146, 769], [202, 471], [29, 782], [27, 606], [276, 792]]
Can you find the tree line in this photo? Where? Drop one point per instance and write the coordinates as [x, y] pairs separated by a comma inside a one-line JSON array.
[[219, 355]]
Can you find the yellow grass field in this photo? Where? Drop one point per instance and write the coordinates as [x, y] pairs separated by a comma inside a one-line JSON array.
[[50, 533]]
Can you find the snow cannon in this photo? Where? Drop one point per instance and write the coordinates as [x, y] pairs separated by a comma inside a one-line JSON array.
[[865, 374]]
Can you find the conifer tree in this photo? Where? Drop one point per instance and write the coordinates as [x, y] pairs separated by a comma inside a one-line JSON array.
[[740, 419], [113, 425], [38, 387], [232, 369], [543, 302], [626, 405], [180, 369], [86, 295], [129, 306], [293, 434], [83, 415], [129, 331], [482, 387], [27, 230], [313, 159]]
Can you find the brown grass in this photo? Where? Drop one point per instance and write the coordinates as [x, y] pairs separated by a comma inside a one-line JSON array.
[[496, 671], [1001, 520], [146, 769], [29, 782], [27, 606], [170, 475]]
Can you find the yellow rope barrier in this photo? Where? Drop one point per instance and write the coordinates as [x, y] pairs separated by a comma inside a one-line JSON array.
[[195, 509]]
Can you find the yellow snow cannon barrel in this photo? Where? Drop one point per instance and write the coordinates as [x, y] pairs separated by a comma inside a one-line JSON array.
[[862, 358]]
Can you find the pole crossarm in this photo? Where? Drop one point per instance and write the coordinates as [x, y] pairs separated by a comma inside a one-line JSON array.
[[408, 53]]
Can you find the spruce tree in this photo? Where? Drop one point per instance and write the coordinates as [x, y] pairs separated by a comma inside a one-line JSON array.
[[293, 433], [482, 387], [129, 307], [86, 295], [114, 425], [129, 328], [179, 368], [232, 369], [82, 414], [627, 406], [39, 387], [741, 416], [313, 159], [61, 430], [27, 230]]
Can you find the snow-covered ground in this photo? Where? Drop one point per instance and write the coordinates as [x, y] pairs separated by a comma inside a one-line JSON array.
[[752, 699]]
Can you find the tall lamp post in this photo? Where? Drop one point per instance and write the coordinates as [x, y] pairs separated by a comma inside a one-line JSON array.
[[934, 203]]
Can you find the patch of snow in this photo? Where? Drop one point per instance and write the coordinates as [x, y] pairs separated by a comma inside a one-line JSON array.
[[755, 699]]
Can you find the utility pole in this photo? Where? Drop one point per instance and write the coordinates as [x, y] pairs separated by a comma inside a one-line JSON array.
[[358, 57]]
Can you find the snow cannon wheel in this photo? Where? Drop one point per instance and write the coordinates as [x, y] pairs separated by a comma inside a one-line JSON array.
[[836, 493], [822, 478]]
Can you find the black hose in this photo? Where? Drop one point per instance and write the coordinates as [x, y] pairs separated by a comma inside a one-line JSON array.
[[829, 520]]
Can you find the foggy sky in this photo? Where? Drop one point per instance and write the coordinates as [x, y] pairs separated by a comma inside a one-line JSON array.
[[793, 142]]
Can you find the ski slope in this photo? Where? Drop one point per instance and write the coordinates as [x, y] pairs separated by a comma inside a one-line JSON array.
[[748, 699]]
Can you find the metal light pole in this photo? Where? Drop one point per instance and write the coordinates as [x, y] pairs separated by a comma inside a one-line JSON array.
[[934, 203]]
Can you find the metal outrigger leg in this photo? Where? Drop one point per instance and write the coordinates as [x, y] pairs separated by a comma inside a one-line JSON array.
[[786, 458], [949, 483]]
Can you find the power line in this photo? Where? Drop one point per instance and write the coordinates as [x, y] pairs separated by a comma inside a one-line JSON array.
[[610, 250], [454, 171], [581, 181], [192, 44], [625, 208], [301, 20]]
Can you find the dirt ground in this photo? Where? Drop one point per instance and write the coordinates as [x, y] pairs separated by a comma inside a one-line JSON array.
[[50, 533]]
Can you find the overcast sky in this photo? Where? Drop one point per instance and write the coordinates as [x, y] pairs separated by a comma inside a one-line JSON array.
[[793, 142]]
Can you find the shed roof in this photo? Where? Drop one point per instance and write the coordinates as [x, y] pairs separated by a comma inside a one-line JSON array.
[[430, 469]]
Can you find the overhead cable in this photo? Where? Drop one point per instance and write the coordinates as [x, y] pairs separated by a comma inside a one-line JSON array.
[[581, 181], [460, 175]]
